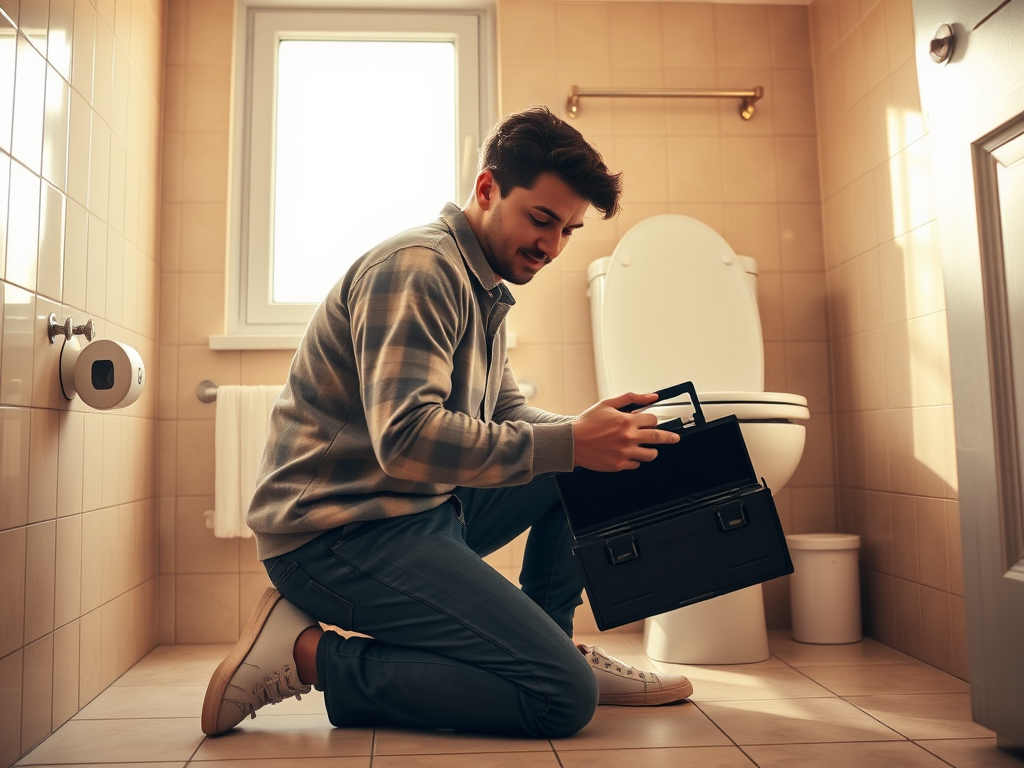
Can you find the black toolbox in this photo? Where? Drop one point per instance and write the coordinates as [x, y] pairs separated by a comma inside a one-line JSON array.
[[693, 524]]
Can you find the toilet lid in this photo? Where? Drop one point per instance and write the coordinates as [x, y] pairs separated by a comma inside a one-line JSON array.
[[676, 308]]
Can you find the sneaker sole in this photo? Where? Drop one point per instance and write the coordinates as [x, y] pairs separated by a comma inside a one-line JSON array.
[[226, 669], [653, 699]]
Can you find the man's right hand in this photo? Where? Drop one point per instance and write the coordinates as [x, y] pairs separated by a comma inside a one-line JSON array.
[[607, 440]]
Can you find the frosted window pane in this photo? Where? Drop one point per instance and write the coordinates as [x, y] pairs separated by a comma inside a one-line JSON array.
[[365, 148]]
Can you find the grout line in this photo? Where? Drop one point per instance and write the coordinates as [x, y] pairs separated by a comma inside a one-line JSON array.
[[558, 757], [373, 746]]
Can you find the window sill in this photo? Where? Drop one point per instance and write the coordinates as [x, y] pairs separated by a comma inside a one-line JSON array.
[[255, 342]]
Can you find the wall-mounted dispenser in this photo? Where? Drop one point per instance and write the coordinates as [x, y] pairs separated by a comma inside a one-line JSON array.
[[106, 374]]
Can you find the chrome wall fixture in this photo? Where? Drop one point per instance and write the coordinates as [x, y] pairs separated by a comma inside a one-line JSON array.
[[206, 391], [67, 329], [746, 108]]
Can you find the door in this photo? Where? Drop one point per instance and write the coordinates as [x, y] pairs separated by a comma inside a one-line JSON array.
[[974, 105]]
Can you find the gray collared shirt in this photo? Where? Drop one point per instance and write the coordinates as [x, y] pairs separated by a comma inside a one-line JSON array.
[[400, 391]]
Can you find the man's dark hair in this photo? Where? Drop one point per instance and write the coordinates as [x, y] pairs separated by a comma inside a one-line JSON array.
[[526, 144]]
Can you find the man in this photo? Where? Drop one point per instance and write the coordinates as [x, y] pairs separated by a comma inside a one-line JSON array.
[[401, 452]]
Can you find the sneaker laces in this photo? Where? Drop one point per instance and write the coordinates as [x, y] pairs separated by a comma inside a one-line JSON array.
[[272, 689], [600, 659]]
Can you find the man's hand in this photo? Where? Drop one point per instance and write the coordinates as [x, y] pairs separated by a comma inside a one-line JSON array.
[[607, 440]]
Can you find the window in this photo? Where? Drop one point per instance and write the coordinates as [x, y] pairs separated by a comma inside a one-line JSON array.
[[350, 127]]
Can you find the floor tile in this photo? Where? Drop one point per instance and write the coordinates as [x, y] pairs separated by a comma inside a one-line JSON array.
[[677, 725], [178, 764], [880, 679], [139, 701], [394, 741], [705, 757], [101, 741], [175, 665], [924, 716], [287, 736], [745, 681], [867, 651], [903, 754], [795, 721], [287, 762], [975, 753], [488, 760]]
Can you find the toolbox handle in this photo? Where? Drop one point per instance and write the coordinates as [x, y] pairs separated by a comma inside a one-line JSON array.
[[670, 392]]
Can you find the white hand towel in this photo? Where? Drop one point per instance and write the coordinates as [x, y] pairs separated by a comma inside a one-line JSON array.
[[243, 416]]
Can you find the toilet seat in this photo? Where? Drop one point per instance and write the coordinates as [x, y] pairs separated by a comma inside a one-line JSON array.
[[746, 406]]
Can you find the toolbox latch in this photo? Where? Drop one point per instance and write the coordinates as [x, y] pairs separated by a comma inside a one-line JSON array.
[[730, 515], [621, 549]]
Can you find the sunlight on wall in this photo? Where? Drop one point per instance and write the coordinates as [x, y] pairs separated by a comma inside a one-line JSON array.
[[923, 294]]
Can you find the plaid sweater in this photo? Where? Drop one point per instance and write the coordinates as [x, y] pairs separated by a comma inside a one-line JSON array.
[[399, 392]]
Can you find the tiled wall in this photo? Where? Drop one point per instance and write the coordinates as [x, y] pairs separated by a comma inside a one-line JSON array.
[[207, 585], [896, 461], [80, 102], [754, 182]]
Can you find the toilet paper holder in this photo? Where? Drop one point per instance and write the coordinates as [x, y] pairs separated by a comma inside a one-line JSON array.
[[106, 375], [67, 329]]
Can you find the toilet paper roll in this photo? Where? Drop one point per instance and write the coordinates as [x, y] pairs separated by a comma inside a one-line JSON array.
[[109, 374]]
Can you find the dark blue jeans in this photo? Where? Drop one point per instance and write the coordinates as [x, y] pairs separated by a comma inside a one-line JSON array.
[[452, 644]]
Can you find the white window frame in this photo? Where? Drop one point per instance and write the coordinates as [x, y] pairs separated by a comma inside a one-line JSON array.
[[252, 320]]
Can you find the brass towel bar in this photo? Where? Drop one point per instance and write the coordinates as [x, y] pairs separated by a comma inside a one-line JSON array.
[[746, 108]]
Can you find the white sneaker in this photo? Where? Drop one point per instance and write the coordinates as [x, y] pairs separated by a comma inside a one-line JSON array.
[[626, 686], [260, 668]]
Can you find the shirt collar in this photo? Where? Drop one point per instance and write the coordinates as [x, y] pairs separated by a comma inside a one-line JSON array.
[[472, 253]]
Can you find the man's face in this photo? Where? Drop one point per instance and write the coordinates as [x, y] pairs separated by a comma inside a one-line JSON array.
[[526, 230]]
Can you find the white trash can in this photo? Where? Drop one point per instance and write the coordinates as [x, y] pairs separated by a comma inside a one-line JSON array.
[[825, 587]]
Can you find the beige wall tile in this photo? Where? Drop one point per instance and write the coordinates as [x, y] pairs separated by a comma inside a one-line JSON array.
[[195, 458], [753, 230], [851, 57], [206, 97], [543, 364], [644, 164], [692, 116], [537, 316], [582, 34], [789, 34], [936, 625], [42, 486], [899, 29], [266, 366], [40, 561], [687, 31], [635, 35], [66, 655], [90, 649], [37, 693], [68, 571], [749, 169], [740, 39], [13, 550], [197, 549], [204, 166], [209, 23], [207, 608], [527, 33], [695, 169], [794, 112]]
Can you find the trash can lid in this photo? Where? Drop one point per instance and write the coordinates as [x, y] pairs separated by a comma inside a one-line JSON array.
[[823, 541]]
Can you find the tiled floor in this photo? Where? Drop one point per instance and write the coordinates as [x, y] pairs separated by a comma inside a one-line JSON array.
[[836, 706]]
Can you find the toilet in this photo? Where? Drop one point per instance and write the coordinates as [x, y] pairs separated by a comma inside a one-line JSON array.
[[674, 303]]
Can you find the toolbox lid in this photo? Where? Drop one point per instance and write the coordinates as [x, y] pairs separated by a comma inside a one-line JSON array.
[[708, 461]]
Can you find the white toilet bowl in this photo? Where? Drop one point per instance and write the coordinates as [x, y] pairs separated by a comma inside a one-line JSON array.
[[674, 303]]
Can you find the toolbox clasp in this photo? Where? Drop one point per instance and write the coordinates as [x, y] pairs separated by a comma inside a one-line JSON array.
[[621, 549], [731, 515]]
